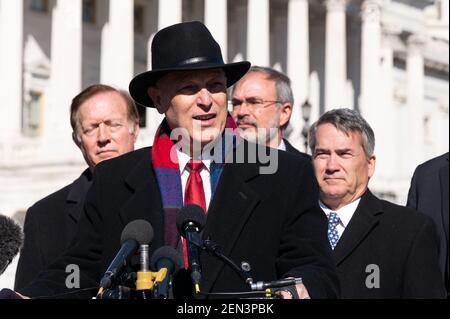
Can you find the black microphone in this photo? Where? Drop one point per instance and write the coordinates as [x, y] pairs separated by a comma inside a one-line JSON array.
[[261, 285], [137, 232], [11, 239], [165, 260], [190, 222]]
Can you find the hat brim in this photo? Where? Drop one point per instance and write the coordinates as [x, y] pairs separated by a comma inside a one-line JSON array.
[[139, 85]]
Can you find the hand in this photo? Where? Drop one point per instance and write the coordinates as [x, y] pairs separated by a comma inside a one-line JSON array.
[[301, 290]]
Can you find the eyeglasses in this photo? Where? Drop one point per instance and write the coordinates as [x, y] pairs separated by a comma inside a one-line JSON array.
[[253, 103]]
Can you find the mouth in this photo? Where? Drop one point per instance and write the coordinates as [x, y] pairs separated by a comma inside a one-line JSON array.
[[333, 179], [205, 120], [245, 125], [106, 153]]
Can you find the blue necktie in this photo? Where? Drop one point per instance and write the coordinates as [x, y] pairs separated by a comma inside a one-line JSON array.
[[333, 236]]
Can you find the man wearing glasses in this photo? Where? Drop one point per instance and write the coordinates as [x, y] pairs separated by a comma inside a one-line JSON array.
[[262, 104]]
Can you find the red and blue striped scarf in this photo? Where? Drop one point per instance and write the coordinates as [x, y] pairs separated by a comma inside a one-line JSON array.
[[168, 173]]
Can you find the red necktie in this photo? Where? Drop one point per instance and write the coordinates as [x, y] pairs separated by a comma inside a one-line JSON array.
[[193, 194]]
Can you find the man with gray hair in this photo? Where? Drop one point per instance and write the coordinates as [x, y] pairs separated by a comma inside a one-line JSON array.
[[381, 250], [262, 102]]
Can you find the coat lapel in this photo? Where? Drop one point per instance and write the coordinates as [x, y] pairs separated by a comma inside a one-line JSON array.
[[232, 205], [365, 218], [443, 176], [145, 201], [75, 198]]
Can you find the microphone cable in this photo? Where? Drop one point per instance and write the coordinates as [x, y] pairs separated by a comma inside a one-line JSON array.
[[268, 294], [65, 294]]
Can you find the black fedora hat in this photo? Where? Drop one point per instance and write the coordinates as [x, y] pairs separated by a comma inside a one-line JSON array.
[[182, 47]]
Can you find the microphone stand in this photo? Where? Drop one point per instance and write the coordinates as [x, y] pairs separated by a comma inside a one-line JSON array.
[[120, 292], [244, 271], [214, 249], [119, 288]]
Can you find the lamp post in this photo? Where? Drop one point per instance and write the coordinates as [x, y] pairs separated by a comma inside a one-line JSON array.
[[306, 114]]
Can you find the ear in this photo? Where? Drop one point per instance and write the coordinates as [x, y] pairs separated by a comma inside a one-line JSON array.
[[155, 95], [285, 114], [76, 140], [372, 161], [136, 132]]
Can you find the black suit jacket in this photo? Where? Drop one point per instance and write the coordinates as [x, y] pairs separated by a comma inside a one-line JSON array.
[[50, 225], [429, 194], [399, 241], [272, 221], [293, 150]]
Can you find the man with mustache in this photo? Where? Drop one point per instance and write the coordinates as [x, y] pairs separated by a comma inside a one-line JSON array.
[[381, 250], [262, 102], [105, 124]]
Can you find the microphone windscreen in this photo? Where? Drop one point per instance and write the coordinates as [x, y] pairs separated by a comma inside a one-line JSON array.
[[11, 238], [190, 214], [166, 252], [139, 230]]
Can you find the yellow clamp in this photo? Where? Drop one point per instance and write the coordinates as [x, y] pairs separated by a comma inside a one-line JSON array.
[[146, 279]]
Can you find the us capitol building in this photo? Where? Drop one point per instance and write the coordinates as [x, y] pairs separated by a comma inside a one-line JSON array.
[[389, 59]]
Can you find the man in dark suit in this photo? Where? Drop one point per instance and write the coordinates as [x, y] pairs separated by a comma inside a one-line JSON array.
[[429, 194], [262, 103], [272, 221], [381, 250], [105, 124]]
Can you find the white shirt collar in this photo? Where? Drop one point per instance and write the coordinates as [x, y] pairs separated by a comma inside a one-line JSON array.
[[183, 159], [345, 213], [282, 146]]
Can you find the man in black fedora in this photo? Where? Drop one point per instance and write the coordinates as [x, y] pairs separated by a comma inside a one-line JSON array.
[[270, 220]]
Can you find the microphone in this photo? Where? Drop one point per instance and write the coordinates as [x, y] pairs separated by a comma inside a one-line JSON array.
[[135, 233], [261, 285], [190, 222], [11, 239], [165, 260]]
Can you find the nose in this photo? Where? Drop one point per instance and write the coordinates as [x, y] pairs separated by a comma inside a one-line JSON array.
[[204, 98], [242, 110], [103, 134], [332, 164]]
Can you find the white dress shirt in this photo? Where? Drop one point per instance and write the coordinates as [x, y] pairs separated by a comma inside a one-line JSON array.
[[282, 146], [183, 159], [345, 214]]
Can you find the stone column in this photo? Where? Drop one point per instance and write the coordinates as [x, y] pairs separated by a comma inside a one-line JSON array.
[[66, 68], [443, 8], [388, 165], [11, 70], [415, 98], [169, 12], [216, 19], [335, 55], [370, 101], [117, 57], [298, 60], [258, 32]]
